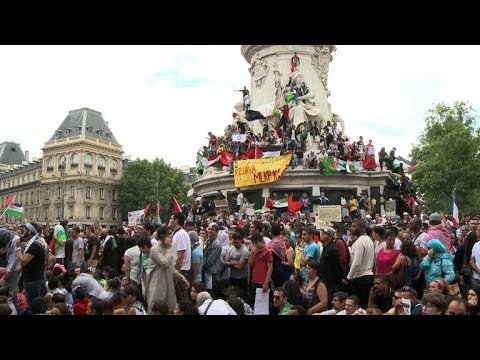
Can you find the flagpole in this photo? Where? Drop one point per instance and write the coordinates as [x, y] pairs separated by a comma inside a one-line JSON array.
[[11, 202], [158, 202]]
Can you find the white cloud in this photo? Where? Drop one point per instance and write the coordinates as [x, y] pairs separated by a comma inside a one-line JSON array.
[[382, 92]]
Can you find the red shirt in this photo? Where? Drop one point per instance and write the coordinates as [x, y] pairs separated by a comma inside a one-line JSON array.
[[259, 265], [80, 308]]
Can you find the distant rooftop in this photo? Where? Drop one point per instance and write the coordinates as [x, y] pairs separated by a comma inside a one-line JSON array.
[[11, 154], [86, 122]]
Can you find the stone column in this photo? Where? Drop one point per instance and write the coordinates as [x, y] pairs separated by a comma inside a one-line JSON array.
[[270, 63]]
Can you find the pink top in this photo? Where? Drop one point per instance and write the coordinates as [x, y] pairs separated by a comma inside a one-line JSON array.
[[385, 260]]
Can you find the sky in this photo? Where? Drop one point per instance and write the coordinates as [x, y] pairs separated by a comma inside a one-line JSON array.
[[161, 101]]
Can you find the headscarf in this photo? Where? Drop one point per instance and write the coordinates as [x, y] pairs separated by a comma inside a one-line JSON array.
[[32, 228], [277, 245], [439, 248]]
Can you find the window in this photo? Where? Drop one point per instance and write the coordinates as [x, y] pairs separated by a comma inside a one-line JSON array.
[[101, 213], [21, 198], [88, 161], [59, 212], [113, 166], [114, 195], [62, 162], [59, 192], [101, 163], [72, 191], [38, 196], [47, 194], [49, 164], [88, 192], [87, 212], [74, 160], [26, 198], [31, 197], [102, 194], [70, 212], [114, 213]]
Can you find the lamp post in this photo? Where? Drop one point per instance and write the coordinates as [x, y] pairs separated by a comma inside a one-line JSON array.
[[62, 175]]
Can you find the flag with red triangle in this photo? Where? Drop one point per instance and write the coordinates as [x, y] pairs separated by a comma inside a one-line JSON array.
[[294, 206], [267, 203], [145, 210], [176, 206], [9, 201]]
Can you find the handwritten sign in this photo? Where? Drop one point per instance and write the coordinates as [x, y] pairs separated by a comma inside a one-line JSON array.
[[260, 171]]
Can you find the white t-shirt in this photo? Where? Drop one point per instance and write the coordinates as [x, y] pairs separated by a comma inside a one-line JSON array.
[[218, 307], [181, 241], [239, 199], [476, 254]]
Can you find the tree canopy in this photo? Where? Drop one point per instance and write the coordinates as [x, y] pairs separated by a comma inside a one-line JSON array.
[[448, 156], [138, 187]]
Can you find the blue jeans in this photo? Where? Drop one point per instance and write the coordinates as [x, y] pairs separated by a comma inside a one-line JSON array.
[[83, 266], [12, 284], [34, 289]]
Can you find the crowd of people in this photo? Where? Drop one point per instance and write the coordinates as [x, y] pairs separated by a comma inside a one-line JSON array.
[[246, 266], [296, 125]]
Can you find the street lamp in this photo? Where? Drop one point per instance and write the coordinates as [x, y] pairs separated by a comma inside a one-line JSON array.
[[62, 175]]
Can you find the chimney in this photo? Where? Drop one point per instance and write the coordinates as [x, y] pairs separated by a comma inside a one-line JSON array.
[[27, 155]]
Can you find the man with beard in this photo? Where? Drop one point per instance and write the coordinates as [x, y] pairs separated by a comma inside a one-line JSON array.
[[32, 260]]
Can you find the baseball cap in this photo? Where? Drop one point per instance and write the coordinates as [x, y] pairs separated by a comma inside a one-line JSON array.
[[329, 230]]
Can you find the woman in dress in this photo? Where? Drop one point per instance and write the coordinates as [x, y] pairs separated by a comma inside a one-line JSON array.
[[160, 283]]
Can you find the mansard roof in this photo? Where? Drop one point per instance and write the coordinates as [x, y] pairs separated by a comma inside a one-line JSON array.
[[11, 153], [86, 122]]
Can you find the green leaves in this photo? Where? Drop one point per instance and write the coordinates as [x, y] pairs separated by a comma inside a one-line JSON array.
[[448, 157], [138, 187]]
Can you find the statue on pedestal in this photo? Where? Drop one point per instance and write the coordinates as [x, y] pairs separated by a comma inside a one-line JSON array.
[[301, 101]]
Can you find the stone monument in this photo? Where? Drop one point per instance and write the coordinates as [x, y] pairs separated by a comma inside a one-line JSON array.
[[285, 70]]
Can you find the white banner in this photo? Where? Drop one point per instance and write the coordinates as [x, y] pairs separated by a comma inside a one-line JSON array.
[[133, 217], [241, 138]]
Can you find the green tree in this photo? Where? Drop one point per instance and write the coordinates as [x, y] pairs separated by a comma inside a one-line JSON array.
[[138, 187], [448, 159]]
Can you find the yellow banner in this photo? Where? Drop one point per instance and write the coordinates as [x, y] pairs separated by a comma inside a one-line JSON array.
[[260, 171]]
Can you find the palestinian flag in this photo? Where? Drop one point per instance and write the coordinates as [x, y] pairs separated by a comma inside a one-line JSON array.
[[252, 115], [9, 201], [14, 211], [176, 206], [263, 153], [267, 203]]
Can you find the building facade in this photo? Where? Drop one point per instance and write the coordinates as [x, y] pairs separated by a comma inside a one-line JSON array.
[[77, 177]]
